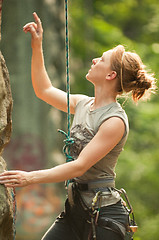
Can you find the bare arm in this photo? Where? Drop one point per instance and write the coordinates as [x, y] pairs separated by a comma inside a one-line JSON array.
[[109, 134], [41, 82]]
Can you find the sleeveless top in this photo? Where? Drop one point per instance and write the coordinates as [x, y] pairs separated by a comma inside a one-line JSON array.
[[85, 125]]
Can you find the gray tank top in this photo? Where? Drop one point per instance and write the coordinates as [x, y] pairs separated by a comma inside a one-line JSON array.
[[84, 127]]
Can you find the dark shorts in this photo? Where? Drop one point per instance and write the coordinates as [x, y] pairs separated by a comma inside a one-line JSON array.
[[74, 223]]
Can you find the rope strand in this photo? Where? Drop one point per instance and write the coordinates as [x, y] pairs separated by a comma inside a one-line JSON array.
[[13, 193], [67, 67], [68, 141]]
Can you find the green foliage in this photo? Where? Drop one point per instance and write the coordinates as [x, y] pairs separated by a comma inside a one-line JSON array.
[[133, 23]]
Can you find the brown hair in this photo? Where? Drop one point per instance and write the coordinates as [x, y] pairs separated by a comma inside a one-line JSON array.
[[131, 74]]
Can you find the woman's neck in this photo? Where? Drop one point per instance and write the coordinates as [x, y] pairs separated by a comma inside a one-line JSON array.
[[103, 97]]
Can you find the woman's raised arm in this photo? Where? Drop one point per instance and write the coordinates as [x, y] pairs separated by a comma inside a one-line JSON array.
[[41, 82]]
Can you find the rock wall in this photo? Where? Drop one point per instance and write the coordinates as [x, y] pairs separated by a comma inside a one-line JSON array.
[[6, 201]]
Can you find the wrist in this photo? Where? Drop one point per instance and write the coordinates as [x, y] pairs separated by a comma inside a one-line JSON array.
[[37, 48], [31, 178], [36, 177]]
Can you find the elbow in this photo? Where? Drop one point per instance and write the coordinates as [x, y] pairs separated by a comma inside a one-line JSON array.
[[39, 94]]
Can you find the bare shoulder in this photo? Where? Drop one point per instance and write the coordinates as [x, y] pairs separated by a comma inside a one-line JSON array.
[[113, 126]]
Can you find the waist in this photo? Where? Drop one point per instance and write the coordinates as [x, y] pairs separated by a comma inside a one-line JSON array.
[[98, 184]]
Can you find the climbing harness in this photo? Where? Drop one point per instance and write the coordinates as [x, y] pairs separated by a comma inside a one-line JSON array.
[[132, 226], [92, 214]]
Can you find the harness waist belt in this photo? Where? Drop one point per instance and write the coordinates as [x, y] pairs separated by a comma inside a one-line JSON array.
[[96, 184]]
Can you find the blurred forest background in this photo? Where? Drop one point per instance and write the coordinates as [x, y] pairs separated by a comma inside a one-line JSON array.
[[95, 26]]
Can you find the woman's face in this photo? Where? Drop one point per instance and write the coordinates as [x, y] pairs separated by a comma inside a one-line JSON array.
[[100, 68]]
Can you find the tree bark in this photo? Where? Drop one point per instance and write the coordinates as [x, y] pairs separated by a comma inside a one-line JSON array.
[[6, 205]]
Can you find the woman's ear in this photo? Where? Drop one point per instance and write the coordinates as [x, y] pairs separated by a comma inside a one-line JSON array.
[[112, 75]]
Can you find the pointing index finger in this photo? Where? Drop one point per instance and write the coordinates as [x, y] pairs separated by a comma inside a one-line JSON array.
[[37, 19]]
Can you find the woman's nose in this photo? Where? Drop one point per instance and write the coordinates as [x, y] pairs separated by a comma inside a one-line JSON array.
[[94, 61]]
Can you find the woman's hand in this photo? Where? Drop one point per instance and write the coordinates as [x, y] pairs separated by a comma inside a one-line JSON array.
[[15, 178], [36, 31]]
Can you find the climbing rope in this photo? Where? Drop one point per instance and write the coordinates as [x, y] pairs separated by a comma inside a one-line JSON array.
[[68, 141], [13, 193], [67, 67]]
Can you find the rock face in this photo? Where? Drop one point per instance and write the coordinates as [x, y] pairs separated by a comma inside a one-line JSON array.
[[6, 201], [6, 195], [5, 105]]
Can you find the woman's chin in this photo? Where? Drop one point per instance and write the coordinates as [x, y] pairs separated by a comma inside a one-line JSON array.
[[88, 76]]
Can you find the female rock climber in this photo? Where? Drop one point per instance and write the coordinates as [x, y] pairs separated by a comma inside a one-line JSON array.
[[100, 129]]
